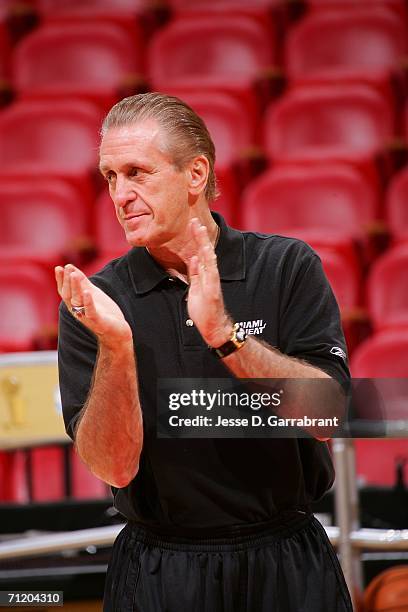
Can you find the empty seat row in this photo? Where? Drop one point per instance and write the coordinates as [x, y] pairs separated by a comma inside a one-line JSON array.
[[47, 474], [29, 300], [383, 355], [95, 61], [28, 303], [380, 370], [397, 6], [5, 46], [355, 125], [330, 205], [342, 46], [229, 52]]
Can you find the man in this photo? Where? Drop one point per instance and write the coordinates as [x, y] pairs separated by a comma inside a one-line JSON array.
[[213, 524]]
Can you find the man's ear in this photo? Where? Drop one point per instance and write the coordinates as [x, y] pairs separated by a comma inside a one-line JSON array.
[[198, 170]]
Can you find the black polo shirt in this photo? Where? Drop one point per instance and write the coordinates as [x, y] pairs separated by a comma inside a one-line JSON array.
[[276, 287]]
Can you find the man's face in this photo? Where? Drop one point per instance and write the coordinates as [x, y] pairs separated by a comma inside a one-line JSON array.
[[149, 193]]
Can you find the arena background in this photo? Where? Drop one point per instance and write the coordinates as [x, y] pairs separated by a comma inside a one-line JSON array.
[[307, 104]]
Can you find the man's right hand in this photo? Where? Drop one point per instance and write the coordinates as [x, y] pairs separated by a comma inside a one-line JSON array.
[[101, 314]]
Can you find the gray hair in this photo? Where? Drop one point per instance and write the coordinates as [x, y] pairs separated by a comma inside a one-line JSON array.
[[187, 133]]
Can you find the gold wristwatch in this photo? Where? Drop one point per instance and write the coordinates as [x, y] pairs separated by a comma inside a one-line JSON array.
[[237, 341]]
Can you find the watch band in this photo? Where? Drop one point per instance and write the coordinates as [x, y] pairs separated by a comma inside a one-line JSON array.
[[237, 341]]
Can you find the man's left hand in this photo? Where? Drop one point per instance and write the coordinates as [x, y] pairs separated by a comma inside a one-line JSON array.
[[205, 301]]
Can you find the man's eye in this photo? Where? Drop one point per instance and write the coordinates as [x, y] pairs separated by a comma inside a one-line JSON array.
[[134, 172], [109, 177]]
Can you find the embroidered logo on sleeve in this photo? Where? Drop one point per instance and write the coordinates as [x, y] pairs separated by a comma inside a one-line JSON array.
[[336, 350]]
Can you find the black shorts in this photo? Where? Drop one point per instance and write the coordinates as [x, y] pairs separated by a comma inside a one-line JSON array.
[[287, 565]]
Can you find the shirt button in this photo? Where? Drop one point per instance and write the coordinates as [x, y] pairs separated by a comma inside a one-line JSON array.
[[189, 323]]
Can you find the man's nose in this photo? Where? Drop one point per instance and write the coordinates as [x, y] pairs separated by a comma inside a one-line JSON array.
[[123, 192]]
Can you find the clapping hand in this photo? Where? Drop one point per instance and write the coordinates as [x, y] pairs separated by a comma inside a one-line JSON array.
[[205, 300], [94, 308]]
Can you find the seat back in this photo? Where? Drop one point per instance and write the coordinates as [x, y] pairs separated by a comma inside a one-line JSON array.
[[205, 50], [13, 476], [52, 7], [398, 7], [74, 58], [382, 355], [320, 198], [28, 301], [47, 473], [387, 293], [326, 122], [50, 136], [39, 216], [340, 44], [396, 206]]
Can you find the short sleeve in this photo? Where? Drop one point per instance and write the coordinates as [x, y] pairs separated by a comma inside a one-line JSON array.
[[77, 351], [310, 326]]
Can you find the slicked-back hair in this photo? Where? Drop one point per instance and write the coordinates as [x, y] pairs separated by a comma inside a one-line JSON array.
[[186, 134]]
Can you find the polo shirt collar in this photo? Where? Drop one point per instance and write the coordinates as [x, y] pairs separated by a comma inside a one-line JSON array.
[[230, 251], [146, 273]]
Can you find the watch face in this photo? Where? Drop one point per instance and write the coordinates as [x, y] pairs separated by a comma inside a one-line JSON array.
[[241, 335]]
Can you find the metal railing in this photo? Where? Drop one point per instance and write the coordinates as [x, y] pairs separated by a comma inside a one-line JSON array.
[[30, 546]]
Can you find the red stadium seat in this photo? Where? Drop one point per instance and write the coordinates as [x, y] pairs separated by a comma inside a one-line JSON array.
[[55, 138], [362, 46], [269, 13], [76, 59], [347, 122], [5, 46], [398, 7], [330, 205], [406, 122], [383, 359], [13, 476], [387, 289], [54, 135], [40, 217], [383, 355], [396, 206], [28, 302], [130, 15], [50, 7], [47, 474], [226, 54], [222, 4]]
